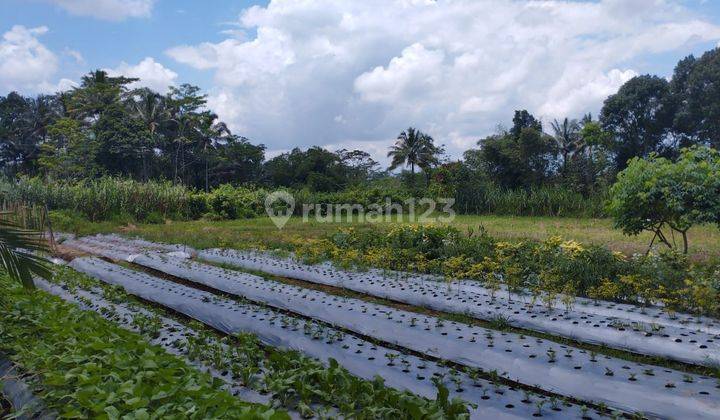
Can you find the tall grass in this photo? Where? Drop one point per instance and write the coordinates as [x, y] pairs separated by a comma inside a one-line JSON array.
[[104, 198], [555, 201], [111, 198]]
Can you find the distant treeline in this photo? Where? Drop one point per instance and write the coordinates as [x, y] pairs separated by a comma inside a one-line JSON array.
[[94, 142]]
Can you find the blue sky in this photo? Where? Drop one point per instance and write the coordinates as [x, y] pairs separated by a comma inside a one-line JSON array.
[[353, 74]]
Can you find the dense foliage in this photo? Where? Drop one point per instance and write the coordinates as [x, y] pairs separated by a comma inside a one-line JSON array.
[[542, 270], [83, 366]]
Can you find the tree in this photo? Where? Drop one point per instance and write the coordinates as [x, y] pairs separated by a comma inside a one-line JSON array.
[[236, 161], [97, 93], [210, 132], [359, 164], [661, 196], [70, 151], [591, 165], [23, 128], [185, 104], [316, 168], [523, 119], [120, 140], [567, 137], [414, 148], [151, 109], [696, 89], [639, 116], [518, 160]]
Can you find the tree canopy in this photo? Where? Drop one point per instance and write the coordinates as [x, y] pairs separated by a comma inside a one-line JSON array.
[[660, 195]]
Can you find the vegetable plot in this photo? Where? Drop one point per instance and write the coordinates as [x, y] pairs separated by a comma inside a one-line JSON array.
[[552, 366], [650, 331], [357, 355], [294, 381], [162, 331], [83, 366], [686, 344]]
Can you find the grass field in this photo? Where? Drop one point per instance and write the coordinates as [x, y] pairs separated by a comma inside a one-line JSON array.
[[704, 240]]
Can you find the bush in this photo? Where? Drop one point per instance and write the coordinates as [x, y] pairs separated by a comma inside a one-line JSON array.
[[228, 202]]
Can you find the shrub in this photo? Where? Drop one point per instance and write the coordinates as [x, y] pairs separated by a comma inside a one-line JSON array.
[[229, 202]]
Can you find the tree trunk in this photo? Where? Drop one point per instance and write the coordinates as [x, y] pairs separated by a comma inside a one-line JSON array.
[[207, 189]]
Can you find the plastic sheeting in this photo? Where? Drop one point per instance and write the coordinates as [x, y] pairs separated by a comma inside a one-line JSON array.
[[358, 356], [18, 393], [625, 313], [683, 344], [170, 332], [632, 386]]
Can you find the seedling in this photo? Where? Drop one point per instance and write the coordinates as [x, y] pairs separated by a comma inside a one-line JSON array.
[[391, 358]]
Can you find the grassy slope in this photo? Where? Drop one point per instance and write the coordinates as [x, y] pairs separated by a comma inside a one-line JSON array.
[[704, 240]]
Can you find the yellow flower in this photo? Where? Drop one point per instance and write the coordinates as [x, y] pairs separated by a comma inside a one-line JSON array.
[[571, 247]]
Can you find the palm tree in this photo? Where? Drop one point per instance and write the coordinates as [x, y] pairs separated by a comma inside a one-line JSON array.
[[211, 131], [567, 138], [17, 246], [414, 148], [150, 108]]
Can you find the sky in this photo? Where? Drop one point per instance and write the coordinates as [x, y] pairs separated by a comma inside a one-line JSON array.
[[353, 74]]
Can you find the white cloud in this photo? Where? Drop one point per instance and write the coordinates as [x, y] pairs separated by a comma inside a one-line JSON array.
[[576, 90], [25, 63], [323, 72], [79, 59], [107, 9], [61, 86], [416, 71], [151, 74]]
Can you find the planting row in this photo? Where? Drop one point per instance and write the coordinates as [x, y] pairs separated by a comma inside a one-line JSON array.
[[162, 331], [554, 367], [651, 315], [82, 366], [358, 356], [684, 344], [641, 330]]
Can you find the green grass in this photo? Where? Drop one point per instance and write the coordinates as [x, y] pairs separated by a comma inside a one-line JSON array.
[[704, 240]]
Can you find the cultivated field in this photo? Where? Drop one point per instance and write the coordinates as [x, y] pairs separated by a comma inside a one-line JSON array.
[[461, 344], [241, 233]]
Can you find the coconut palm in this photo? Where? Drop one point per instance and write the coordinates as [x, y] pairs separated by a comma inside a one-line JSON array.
[[150, 108], [210, 132], [17, 246], [414, 148], [567, 137]]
